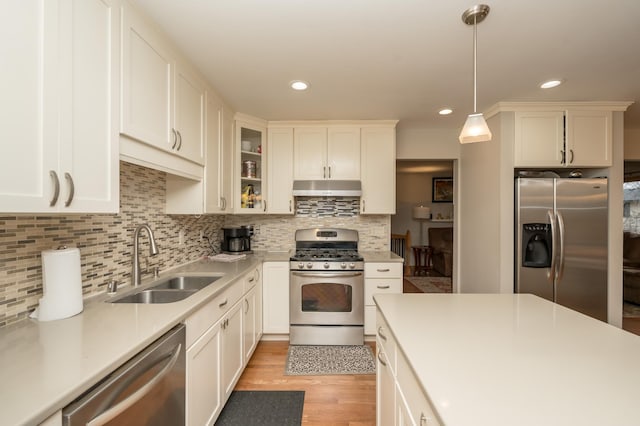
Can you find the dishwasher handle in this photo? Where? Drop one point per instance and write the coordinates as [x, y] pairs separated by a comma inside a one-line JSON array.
[[123, 405]]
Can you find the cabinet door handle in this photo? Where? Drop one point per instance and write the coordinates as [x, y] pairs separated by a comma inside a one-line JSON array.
[[223, 304], [179, 140], [329, 172], [324, 172], [72, 189], [175, 138], [381, 334], [562, 156], [383, 287], [264, 206], [423, 420], [222, 203], [252, 279], [380, 359], [571, 160], [246, 302], [56, 188], [363, 209], [290, 204]]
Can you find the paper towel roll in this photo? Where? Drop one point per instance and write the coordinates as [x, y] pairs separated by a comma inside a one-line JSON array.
[[62, 285]]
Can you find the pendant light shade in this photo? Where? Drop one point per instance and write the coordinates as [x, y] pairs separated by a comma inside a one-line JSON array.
[[475, 129]]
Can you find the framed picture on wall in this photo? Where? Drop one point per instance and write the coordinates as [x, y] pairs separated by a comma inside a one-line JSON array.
[[442, 190]]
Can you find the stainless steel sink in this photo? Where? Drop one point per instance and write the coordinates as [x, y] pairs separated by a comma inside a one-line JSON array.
[[168, 290], [185, 283], [155, 296]]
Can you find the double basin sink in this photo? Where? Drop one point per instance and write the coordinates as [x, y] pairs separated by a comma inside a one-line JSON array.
[[168, 290]]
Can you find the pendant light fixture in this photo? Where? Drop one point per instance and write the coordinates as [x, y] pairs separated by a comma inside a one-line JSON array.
[[475, 128]]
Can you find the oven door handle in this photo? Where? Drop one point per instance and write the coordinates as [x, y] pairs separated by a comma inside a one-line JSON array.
[[327, 274]]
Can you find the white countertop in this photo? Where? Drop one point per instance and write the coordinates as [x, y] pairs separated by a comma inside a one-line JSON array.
[[380, 256], [515, 360], [46, 365]]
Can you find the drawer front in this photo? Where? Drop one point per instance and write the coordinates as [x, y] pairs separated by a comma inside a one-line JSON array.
[[420, 409], [383, 270], [205, 317], [251, 279], [379, 286], [385, 340]]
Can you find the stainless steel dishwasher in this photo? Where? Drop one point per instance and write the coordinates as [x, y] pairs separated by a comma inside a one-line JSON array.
[[149, 389]]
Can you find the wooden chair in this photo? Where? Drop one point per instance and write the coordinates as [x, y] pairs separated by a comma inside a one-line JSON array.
[[401, 245]]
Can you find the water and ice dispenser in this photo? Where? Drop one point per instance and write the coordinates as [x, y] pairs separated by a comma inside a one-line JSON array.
[[536, 245]]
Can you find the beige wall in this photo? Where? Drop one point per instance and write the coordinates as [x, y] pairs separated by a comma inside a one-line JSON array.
[[416, 142], [632, 144]]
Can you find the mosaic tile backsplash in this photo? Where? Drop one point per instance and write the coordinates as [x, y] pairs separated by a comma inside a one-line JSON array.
[[105, 240]]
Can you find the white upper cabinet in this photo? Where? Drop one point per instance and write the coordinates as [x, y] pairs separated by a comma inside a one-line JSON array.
[[60, 106], [147, 86], [163, 101], [578, 137], [189, 114], [343, 153], [539, 139], [589, 136], [310, 153], [327, 153], [378, 170], [280, 168], [251, 166]]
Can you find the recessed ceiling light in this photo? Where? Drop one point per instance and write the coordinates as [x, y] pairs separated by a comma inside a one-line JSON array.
[[551, 83], [299, 85], [445, 111]]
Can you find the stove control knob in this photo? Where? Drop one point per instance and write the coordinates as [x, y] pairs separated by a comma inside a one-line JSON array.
[[343, 265], [301, 265], [326, 265], [309, 265], [352, 265]]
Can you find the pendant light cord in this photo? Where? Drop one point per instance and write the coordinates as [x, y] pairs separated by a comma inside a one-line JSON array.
[[475, 60]]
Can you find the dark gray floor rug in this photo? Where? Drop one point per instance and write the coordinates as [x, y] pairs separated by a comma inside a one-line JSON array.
[[262, 408], [328, 360]]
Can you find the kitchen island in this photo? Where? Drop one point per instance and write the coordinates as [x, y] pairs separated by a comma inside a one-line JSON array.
[[504, 359]]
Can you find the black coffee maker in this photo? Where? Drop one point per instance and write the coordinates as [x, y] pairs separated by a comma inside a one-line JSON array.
[[237, 239]]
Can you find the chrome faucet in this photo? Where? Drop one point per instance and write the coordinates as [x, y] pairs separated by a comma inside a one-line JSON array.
[[153, 250]]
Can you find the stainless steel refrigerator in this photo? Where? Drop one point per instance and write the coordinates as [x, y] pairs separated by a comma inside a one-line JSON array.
[[561, 241]]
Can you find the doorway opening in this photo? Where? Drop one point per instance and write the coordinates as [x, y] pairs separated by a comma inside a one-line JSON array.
[[425, 210]]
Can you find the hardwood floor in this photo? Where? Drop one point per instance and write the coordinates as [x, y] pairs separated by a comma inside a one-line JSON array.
[[341, 400]]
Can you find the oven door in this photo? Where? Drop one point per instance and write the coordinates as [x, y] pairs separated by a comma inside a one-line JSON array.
[[327, 298]]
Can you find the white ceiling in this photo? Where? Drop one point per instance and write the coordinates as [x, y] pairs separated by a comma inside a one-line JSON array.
[[405, 59]]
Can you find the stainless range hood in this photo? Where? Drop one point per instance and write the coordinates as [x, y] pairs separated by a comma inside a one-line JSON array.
[[327, 188]]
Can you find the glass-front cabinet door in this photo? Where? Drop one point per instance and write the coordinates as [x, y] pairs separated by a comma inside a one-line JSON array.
[[250, 165]]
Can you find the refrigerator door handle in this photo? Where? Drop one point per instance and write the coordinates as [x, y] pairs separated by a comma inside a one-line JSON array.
[[561, 260], [552, 269]]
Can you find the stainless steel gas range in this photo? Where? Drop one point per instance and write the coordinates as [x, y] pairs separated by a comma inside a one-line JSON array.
[[326, 288]]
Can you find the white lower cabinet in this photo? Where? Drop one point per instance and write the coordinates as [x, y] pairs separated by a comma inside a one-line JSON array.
[[386, 391], [204, 401], [232, 355], [252, 312], [400, 400], [275, 291], [221, 337], [379, 277]]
